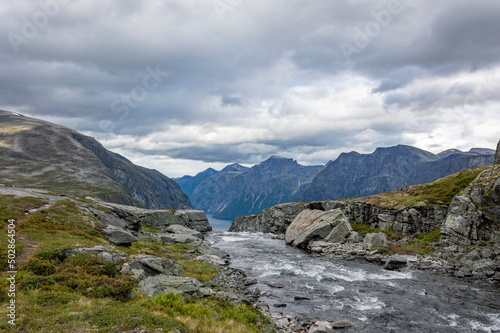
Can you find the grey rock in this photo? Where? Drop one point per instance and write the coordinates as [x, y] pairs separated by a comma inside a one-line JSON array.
[[179, 229], [118, 236], [161, 284], [321, 327], [341, 324], [152, 266], [211, 259], [275, 285], [396, 262], [162, 219], [183, 239], [108, 254], [312, 225], [373, 240], [484, 265]]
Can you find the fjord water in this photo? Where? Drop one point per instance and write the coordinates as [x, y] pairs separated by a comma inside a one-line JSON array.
[[371, 298], [219, 224]]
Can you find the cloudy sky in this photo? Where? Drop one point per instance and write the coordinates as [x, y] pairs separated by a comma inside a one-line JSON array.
[[182, 85]]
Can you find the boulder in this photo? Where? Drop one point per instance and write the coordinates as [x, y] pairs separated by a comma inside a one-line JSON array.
[[119, 236], [161, 284], [179, 238], [313, 225], [151, 266], [108, 254], [373, 241], [321, 327], [396, 262], [162, 219], [179, 229]]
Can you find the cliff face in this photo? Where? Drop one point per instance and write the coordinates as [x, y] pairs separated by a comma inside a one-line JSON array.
[[44, 155], [387, 169]]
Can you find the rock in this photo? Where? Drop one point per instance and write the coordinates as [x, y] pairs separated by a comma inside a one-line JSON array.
[[162, 219], [250, 282], [161, 284], [301, 298], [280, 305], [118, 236], [179, 229], [183, 239], [213, 251], [373, 240], [282, 323], [312, 225], [108, 254], [474, 214], [484, 265], [321, 327], [275, 285], [211, 259], [497, 154], [152, 266], [341, 324], [396, 262]]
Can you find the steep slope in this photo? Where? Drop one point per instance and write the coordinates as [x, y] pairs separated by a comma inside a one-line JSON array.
[[44, 155], [355, 175], [237, 190]]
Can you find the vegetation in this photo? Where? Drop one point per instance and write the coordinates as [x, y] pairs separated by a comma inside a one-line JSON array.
[[439, 193], [422, 244], [84, 293]]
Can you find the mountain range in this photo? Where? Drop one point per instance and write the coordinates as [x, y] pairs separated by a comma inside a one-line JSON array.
[[239, 191], [36, 153]]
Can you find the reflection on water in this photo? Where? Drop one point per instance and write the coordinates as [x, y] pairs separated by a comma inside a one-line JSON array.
[[219, 224]]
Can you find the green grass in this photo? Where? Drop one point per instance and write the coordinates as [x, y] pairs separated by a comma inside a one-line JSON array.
[[363, 229], [84, 293], [422, 244], [439, 193]]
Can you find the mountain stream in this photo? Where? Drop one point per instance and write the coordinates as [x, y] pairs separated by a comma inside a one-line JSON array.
[[371, 298]]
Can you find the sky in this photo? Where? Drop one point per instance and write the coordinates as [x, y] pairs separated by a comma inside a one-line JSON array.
[[183, 85]]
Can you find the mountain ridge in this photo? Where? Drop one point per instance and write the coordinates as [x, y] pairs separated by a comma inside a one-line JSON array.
[[37, 153]]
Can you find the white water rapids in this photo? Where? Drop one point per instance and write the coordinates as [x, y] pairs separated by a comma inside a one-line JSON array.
[[371, 298]]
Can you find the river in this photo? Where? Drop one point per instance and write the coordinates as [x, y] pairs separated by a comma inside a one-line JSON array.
[[371, 298]]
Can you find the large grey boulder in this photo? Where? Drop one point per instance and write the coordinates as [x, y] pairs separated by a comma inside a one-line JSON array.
[[151, 266], [179, 229], [179, 238], [162, 219], [252, 223], [119, 236], [313, 225], [161, 284], [372, 241], [396, 262]]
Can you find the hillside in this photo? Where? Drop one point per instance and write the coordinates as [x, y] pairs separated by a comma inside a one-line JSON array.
[[36, 153]]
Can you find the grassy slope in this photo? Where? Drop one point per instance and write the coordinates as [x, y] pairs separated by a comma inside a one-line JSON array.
[[425, 196], [86, 294]]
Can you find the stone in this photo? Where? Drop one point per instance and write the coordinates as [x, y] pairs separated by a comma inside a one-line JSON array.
[[108, 254], [321, 327], [250, 282], [484, 265], [316, 225], [118, 236], [151, 266], [162, 219], [161, 284], [211, 259], [179, 229], [183, 239], [374, 240], [396, 262], [275, 285], [341, 324]]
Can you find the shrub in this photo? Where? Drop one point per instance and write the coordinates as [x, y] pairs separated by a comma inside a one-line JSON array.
[[39, 267]]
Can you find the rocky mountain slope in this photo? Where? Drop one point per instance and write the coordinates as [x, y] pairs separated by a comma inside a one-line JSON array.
[[354, 175], [237, 190], [36, 153]]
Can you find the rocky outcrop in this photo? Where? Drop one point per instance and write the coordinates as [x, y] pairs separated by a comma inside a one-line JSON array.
[[36, 153], [474, 214], [315, 225], [162, 219], [374, 240]]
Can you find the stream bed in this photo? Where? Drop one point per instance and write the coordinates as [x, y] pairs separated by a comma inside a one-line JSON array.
[[371, 298]]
